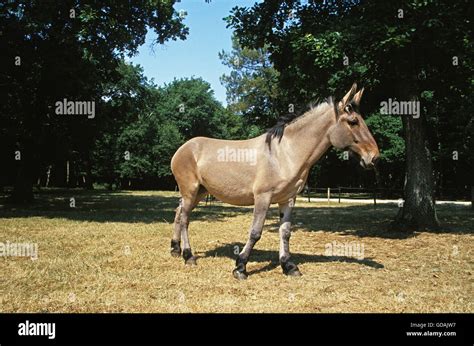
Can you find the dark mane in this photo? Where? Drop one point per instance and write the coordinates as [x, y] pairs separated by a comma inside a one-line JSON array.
[[277, 130]]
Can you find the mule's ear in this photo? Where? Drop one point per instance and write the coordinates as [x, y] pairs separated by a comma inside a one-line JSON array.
[[348, 97], [358, 96]]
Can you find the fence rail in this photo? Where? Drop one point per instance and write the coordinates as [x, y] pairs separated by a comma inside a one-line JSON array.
[[358, 193], [378, 193], [350, 193]]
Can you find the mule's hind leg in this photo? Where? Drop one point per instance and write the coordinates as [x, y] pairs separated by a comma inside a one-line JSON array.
[[176, 240], [189, 202]]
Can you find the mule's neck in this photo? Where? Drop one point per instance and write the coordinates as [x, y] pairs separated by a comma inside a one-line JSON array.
[[307, 138]]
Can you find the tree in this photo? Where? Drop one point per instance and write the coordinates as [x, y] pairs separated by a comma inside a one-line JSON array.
[[65, 49], [387, 131], [126, 101], [252, 85], [147, 146], [190, 104]]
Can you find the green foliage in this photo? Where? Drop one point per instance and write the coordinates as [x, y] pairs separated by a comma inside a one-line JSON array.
[[252, 89], [150, 145], [191, 105], [68, 50], [387, 131]]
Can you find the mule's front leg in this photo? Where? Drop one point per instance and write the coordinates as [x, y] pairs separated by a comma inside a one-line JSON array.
[[289, 268], [262, 203]]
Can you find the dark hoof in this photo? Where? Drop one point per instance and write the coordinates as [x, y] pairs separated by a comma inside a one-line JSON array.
[[175, 249], [290, 269], [239, 275], [191, 261], [294, 272]]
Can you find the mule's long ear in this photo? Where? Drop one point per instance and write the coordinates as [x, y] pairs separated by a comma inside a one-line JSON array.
[[348, 97], [358, 96]]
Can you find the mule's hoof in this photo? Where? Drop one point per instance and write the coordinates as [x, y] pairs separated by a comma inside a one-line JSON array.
[[239, 275], [191, 261], [290, 269], [293, 272], [175, 248]]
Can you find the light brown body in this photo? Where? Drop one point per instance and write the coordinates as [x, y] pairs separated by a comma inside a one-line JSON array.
[[275, 173]]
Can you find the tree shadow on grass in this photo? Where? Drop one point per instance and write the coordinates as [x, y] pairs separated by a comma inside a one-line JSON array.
[[367, 221], [108, 206], [257, 255]]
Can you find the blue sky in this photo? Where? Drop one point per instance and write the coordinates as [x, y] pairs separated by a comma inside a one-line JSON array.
[[198, 54]]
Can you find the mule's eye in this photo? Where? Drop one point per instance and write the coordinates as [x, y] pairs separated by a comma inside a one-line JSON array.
[[348, 109]]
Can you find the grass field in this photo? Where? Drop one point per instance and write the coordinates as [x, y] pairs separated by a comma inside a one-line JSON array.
[[111, 254]]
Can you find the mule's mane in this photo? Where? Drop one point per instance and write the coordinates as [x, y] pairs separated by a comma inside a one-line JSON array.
[[277, 130]]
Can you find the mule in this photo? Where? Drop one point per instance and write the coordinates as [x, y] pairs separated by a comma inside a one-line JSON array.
[[271, 168]]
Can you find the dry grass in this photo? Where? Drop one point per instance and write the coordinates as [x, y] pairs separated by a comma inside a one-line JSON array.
[[111, 254]]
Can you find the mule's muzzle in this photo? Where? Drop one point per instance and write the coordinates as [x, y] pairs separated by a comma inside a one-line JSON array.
[[369, 161]]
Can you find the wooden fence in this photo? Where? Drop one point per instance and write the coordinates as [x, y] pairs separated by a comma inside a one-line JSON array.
[[355, 193]]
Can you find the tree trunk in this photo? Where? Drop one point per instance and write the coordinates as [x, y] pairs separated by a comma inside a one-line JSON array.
[[67, 173], [472, 197], [418, 211], [88, 184], [23, 187], [48, 175]]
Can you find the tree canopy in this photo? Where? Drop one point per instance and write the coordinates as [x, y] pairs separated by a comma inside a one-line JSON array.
[[55, 50]]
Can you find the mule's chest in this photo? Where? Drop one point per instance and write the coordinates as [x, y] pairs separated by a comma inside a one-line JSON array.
[[290, 190]]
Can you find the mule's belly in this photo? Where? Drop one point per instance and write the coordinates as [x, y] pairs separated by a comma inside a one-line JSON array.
[[233, 191], [231, 182], [241, 200]]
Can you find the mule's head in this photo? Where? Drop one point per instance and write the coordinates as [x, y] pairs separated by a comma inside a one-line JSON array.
[[350, 131]]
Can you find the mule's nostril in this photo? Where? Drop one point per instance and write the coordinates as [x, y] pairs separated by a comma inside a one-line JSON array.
[[375, 160]]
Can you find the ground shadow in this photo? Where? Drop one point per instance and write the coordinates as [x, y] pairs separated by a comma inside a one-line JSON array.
[[227, 250], [367, 221], [108, 206]]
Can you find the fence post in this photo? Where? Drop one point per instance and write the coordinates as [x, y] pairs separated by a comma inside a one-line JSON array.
[[472, 197], [339, 194], [309, 199], [375, 197], [329, 195]]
